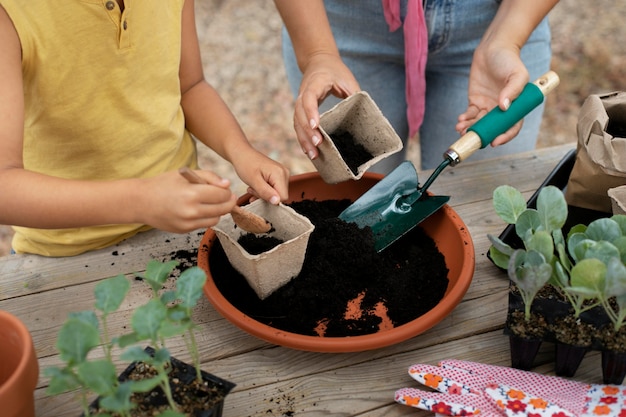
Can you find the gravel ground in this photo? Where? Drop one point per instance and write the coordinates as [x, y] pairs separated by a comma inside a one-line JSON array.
[[240, 44]]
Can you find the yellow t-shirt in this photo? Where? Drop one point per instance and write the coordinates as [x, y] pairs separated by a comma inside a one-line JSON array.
[[102, 101]]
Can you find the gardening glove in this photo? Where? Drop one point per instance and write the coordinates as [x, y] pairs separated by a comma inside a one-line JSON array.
[[490, 390]]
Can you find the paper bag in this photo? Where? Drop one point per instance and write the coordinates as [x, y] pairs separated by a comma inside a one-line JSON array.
[[600, 153]]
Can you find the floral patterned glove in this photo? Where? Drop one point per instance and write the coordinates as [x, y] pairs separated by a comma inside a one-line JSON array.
[[467, 388]]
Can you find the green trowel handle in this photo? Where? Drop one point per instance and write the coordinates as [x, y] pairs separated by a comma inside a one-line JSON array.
[[497, 121]]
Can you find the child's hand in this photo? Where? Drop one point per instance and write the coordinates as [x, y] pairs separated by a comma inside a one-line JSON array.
[[266, 178], [169, 202]]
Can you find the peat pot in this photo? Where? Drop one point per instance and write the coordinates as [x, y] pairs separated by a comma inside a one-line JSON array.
[[269, 270], [357, 121], [445, 227], [19, 369]]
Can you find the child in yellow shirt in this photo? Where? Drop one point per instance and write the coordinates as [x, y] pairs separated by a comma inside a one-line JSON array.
[[98, 102]]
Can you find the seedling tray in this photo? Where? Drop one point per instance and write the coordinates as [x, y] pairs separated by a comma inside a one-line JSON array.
[[575, 215]]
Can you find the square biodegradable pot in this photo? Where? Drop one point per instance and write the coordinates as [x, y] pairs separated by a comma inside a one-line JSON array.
[[268, 271], [358, 117]]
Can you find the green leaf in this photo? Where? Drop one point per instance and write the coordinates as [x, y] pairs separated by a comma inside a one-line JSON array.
[[602, 250], [98, 376], [129, 339], [110, 293], [589, 274], [189, 286], [541, 242], [61, 380], [529, 271], [603, 229], [88, 316], [145, 385], [578, 248], [501, 260], [177, 313], [552, 208], [615, 285], [147, 319], [563, 257], [168, 297], [120, 400], [527, 222], [171, 329], [158, 272], [620, 244], [579, 228], [76, 339], [161, 356], [560, 277], [620, 219], [135, 354], [508, 203], [583, 292], [500, 245]]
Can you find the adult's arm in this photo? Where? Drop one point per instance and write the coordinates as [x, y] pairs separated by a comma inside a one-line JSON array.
[[323, 71], [498, 75]]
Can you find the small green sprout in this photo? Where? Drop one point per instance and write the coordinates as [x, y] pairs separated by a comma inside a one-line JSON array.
[[166, 314], [588, 266]]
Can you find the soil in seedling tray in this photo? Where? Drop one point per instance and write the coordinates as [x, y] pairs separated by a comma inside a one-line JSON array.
[[341, 265], [354, 154]]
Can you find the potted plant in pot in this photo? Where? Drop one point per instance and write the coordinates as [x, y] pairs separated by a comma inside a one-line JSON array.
[[575, 284], [155, 384], [19, 369]]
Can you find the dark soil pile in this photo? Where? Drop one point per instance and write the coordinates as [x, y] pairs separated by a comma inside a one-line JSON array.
[[354, 154], [409, 277]]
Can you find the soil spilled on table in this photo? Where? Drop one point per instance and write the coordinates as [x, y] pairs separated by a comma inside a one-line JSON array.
[[341, 266]]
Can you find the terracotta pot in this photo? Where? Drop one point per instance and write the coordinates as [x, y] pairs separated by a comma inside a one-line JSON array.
[[19, 369], [445, 227]]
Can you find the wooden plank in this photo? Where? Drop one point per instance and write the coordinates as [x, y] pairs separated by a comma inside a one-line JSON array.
[[278, 381], [31, 274], [365, 388], [475, 181]]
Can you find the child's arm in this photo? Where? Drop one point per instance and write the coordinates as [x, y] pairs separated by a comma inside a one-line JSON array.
[[209, 119], [31, 199]]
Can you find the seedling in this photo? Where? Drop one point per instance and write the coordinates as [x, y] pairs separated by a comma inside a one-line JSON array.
[[589, 269], [167, 314]]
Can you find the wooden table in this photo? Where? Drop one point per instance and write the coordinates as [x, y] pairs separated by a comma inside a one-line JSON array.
[[278, 381]]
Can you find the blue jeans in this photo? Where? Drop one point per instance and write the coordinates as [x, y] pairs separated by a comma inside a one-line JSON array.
[[376, 58]]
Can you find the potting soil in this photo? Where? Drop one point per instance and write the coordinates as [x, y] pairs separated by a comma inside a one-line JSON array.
[[353, 153], [409, 277]]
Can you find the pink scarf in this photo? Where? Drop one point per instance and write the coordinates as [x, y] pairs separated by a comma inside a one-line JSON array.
[[415, 55]]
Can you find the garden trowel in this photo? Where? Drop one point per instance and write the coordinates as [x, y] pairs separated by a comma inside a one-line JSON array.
[[397, 203]]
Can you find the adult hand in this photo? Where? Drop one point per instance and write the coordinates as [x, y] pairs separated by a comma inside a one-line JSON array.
[[324, 75], [497, 77]]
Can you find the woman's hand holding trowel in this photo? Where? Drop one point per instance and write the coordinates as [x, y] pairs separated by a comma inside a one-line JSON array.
[[395, 205]]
